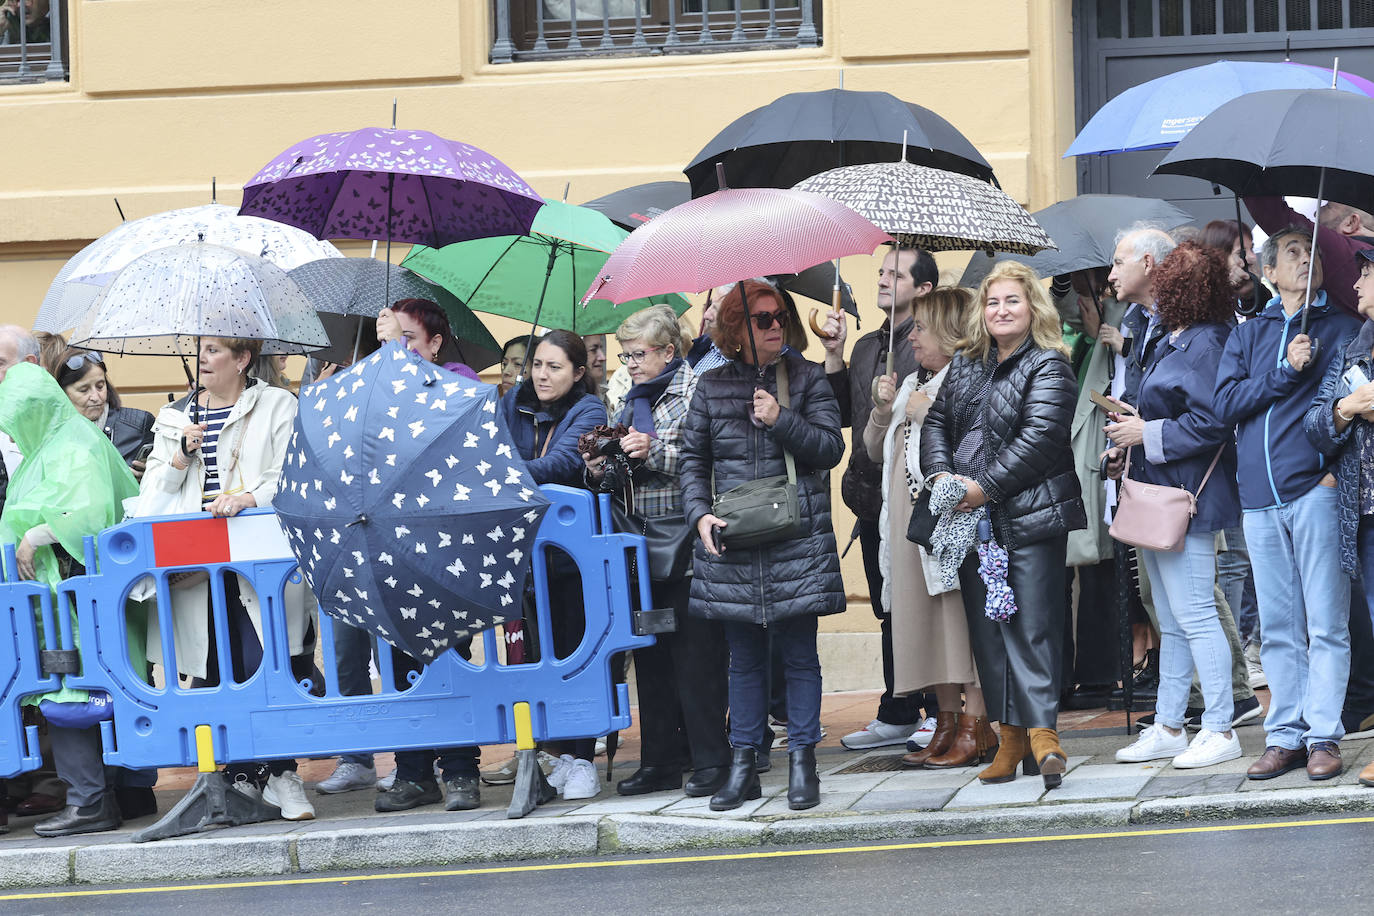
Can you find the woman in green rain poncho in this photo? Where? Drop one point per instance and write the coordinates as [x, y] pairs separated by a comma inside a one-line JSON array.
[[71, 484]]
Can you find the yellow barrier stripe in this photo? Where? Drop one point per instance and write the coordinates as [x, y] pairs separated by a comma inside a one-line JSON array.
[[205, 749], [524, 731], [677, 860]]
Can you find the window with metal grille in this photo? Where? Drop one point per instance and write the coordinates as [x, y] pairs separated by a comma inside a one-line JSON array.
[[1179, 18], [33, 41]]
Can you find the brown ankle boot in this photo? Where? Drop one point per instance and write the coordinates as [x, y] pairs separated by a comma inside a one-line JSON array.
[[945, 725], [974, 741], [1014, 748], [1050, 757]]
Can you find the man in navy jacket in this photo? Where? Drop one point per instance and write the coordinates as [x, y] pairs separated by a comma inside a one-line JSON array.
[[1268, 376]]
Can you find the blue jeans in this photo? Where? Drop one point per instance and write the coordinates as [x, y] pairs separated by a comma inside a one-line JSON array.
[[1304, 606], [353, 648], [1190, 634], [1238, 583], [795, 640]]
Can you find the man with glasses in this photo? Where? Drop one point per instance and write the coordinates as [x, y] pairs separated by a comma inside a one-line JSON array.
[[907, 274]]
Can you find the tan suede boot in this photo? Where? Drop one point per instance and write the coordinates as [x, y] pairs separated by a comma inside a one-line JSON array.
[[1014, 748], [1049, 756]]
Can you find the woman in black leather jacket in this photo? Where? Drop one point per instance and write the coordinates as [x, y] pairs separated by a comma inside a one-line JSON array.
[[736, 431], [81, 373], [1001, 424]]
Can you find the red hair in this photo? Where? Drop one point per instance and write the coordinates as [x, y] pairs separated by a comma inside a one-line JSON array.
[[729, 332], [1192, 285]]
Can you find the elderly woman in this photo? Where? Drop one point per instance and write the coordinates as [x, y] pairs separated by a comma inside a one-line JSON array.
[[930, 635], [546, 415], [82, 375], [681, 678], [1000, 425], [71, 484], [1177, 440], [221, 451], [738, 430]]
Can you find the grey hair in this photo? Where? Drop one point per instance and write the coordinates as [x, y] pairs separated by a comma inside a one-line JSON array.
[[1269, 251], [1147, 238], [25, 344], [656, 326]]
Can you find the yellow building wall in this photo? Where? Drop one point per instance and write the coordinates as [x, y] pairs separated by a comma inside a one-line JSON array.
[[167, 95]]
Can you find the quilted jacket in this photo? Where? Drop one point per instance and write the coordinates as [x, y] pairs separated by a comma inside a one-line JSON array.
[[1031, 486], [777, 581], [1345, 447]]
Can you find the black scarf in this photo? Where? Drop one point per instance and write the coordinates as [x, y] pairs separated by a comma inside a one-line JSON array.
[[639, 402]]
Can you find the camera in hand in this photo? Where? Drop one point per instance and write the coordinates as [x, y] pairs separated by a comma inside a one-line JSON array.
[[604, 442]]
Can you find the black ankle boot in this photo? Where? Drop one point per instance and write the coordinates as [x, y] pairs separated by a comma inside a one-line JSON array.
[[803, 785], [741, 785]]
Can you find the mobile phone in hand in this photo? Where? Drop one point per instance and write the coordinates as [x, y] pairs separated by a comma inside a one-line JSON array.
[[1103, 401], [715, 540]]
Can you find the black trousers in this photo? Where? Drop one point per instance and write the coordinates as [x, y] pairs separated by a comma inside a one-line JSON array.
[[1092, 656], [682, 688], [1019, 661], [891, 709]]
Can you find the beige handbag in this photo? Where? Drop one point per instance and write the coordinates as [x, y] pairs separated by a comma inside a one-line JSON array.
[[1154, 516]]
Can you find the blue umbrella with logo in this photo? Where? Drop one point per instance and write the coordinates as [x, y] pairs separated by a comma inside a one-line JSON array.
[[408, 507]]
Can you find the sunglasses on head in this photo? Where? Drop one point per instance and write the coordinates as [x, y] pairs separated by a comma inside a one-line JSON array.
[[80, 359], [765, 320]]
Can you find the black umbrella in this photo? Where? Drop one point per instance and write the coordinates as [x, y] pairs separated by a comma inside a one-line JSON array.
[[805, 133], [1085, 229], [1308, 142], [634, 206], [818, 283]]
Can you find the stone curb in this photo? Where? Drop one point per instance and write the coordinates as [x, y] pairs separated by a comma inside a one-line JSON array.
[[455, 844]]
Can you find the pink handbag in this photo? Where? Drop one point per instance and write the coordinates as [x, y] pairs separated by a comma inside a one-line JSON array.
[[1153, 516]]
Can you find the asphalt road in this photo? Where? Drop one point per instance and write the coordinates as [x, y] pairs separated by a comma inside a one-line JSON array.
[[1213, 869]]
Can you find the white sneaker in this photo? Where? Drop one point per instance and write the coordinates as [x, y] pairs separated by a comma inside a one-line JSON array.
[[1254, 670], [1208, 749], [559, 775], [600, 749], [347, 777], [287, 792], [504, 774], [923, 735], [581, 780], [1154, 743], [385, 783], [878, 734]]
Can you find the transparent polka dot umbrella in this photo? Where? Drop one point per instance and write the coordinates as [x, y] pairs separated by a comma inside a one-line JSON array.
[[164, 301]]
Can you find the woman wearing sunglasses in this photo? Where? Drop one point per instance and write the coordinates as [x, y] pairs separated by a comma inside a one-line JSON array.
[[736, 432], [81, 373]]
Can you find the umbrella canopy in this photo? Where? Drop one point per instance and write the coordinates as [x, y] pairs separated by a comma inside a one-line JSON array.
[[732, 235], [350, 289], [79, 281], [804, 133], [931, 208], [402, 185], [1284, 142], [163, 302], [818, 283], [540, 276], [410, 510], [1085, 229], [1161, 112], [632, 207]]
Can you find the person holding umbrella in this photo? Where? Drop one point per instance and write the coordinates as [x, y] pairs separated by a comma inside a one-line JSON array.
[[546, 415], [1342, 233], [1001, 427], [221, 451], [737, 432], [1267, 380]]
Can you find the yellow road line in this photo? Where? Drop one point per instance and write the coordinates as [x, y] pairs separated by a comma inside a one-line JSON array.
[[715, 857]]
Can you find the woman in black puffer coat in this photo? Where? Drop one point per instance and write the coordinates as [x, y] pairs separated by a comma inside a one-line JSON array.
[[1001, 424], [736, 430]]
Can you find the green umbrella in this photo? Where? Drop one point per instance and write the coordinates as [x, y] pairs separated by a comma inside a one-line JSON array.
[[539, 277]]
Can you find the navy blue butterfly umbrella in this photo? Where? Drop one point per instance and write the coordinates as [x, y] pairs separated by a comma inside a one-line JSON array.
[[409, 509]]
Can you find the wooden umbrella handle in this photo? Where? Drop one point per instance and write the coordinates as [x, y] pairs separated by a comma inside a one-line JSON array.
[[816, 326]]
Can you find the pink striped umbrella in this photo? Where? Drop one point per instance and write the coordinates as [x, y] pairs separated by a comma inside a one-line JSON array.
[[732, 235]]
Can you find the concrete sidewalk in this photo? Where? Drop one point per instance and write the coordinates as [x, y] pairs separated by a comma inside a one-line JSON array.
[[865, 796]]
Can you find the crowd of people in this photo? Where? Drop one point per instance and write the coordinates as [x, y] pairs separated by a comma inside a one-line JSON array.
[[995, 433]]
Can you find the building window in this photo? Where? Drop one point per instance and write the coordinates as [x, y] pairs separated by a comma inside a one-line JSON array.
[[33, 40], [1126, 19], [552, 29]]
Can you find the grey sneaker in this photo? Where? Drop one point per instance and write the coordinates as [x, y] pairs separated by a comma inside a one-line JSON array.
[[464, 793], [404, 795], [348, 776]]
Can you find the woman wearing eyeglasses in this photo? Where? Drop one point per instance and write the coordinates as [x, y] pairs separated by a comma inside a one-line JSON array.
[[736, 432], [681, 678], [81, 373]]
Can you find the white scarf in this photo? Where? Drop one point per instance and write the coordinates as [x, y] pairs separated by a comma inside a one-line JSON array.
[[912, 460]]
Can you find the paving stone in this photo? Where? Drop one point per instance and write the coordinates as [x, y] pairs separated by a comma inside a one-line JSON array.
[[830, 802], [856, 827], [701, 807], [35, 867], [922, 799], [1093, 781], [642, 833], [632, 804], [1176, 785], [540, 838], [864, 782], [1023, 790], [928, 779], [183, 859]]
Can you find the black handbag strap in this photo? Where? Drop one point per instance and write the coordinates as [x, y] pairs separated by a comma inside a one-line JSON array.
[[784, 400]]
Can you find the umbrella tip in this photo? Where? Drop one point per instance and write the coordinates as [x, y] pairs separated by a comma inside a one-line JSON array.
[[360, 520]]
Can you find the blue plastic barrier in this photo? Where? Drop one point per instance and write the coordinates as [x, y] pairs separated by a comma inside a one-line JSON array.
[[20, 671]]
